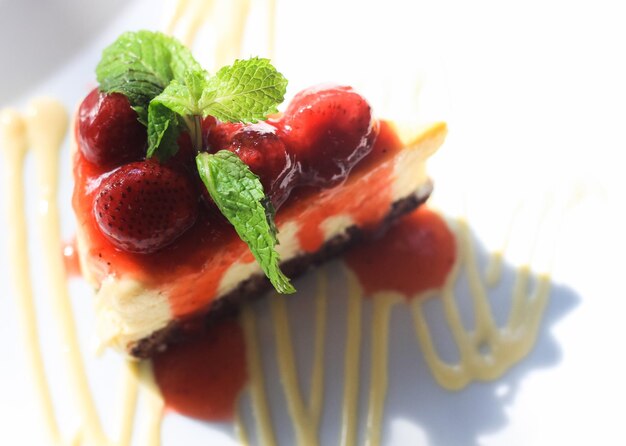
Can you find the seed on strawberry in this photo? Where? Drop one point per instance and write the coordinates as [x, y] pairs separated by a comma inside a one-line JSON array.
[[144, 206], [328, 129], [109, 133]]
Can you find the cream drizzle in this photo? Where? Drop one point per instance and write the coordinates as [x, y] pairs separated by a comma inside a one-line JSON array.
[[14, 145], [228, 20], [506, 345], [308, 417], [42, 129], [349, 409], [47, 124], [383, 304], [257, 379]]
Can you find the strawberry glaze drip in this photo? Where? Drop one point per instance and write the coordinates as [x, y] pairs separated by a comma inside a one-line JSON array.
[[354, 197], [415, 256], [203, 377]]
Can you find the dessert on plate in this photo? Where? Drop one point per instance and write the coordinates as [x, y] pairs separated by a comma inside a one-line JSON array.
[[193, 193]]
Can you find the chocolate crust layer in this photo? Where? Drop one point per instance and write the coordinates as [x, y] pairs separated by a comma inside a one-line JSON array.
[[255, 287]]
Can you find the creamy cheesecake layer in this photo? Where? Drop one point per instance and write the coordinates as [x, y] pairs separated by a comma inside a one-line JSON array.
[[129, 309]]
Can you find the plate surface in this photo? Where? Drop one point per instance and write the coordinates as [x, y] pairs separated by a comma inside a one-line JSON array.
[[534, 98]]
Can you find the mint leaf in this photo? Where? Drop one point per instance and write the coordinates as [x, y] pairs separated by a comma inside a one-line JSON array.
[[239, 195], [189, 97], [185, 99], [141, 64], [163, 131], [247, 91]]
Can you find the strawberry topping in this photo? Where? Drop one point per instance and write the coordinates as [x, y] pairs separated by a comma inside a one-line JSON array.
[[144, 206], [328, 129], [109, 133], [259, 146]]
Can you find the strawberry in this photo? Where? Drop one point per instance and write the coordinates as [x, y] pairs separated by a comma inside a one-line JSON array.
[[328, 129], [109, 133], [144, 206], [259, 146]]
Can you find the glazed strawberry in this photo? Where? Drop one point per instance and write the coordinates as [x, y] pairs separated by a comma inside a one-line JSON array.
[[328, 129], [222, 134], [259, 146], [144, 206], [109, 133]]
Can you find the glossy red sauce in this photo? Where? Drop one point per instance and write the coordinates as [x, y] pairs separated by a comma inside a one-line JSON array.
[[70, 258], [365, 196], [202, 378], [416, 255], [190, 270]]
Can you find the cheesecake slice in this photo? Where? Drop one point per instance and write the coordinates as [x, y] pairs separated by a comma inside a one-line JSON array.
[[145, 301], [193, 194]]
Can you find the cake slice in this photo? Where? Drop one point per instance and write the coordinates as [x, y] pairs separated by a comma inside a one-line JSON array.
[[175, 232]]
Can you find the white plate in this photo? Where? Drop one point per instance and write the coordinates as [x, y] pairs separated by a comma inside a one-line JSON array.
[[534, 98]]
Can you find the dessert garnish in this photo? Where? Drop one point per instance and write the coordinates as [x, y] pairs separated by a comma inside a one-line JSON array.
[[171, 95]]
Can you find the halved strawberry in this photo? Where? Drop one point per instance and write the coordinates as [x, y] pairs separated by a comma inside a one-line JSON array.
[[329, 129], [144, 206]]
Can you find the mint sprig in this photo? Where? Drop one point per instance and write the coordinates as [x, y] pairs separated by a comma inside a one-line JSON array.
[[239, 195], [141, 64], [172, 93], [246, 91]]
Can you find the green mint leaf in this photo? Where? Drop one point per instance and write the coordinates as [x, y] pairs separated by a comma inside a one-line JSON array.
[[163, 131], [239, 195], [246, 91], [188, 97], [180, 98], [141, 65]]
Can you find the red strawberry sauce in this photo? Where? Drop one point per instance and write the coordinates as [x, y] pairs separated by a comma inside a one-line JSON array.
[[354, 197], [416, 255], [190, 270], [70, 258], [203, 377]]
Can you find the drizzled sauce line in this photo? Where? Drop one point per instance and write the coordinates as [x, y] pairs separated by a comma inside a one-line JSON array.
[[128, 407], [47, 126], [151, 434], [383, 305], [307, 418], [228, 22], [14, 146], [349, 409], [43, 129], [257, 380], [506, 345]]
